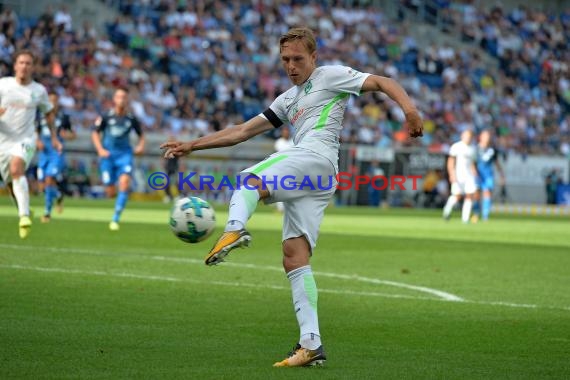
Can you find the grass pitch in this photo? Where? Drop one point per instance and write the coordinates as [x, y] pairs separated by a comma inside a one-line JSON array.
[[402, 295]]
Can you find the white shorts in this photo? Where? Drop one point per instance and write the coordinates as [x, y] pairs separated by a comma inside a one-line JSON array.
[[468, 186], [25, 149], [305, 182]]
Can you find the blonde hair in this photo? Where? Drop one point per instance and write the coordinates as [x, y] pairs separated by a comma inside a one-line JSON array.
[[306, 35], [24, 52]]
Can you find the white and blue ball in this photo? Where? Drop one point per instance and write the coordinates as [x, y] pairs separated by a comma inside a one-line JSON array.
[[192, 219]]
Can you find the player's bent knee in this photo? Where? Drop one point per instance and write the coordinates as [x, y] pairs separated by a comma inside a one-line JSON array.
[[253, 182], [17, 167], [296, 253], [124, 182]]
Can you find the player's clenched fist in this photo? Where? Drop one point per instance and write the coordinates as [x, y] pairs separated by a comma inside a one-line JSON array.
[[415, 124], [176, 148]]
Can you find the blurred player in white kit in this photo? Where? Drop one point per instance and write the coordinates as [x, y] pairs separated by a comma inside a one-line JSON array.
[[20, 99], [462, 175]]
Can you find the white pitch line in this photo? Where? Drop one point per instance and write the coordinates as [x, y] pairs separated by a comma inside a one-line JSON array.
[[450, 297], [438, 293], [265, 286], [176, 279], [521, 305], [441, 294]]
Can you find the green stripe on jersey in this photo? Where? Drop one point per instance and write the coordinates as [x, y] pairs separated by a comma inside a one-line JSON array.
[[264, 165], [325, 115]]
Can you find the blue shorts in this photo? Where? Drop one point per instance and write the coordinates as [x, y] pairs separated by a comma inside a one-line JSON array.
[[486, 183], [51, 165], [114, 166]]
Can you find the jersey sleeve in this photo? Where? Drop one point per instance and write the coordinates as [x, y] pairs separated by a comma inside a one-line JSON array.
[[37, 120], [345, 79], [136, 126], [454, 150], [44, 105], [494, 155], [100, 124], [276, 114], [65, 123]]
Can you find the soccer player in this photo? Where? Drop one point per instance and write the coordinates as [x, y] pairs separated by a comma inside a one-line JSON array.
[[111, 139], [171, 168], [315, 107], [20, 99], [486, 160], [462, 175], [51, 163]]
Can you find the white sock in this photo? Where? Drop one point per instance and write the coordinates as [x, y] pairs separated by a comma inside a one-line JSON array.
[[451, 201], [466, 211], [305, 298], [242, 205], [22, 195]]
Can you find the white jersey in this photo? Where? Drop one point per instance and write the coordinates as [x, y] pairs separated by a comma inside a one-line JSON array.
[[316, 108], [465, 157], [21, 103]]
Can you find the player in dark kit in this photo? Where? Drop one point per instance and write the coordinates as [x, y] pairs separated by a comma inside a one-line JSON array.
[[111, 139], [51, 163], [171, 168]]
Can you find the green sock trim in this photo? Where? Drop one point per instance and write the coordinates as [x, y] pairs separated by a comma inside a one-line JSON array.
[[251, 198], [311, 290]]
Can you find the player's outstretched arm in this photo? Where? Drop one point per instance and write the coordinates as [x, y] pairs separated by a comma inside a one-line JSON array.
[[139, 149], [39, 143], [451, 169], [96, 139], [68, 135], [501, 172], [397, 93], [473, 169], [50, 119], [67, 132], [226, 137]]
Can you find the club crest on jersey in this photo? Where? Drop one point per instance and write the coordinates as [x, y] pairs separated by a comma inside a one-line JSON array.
[[353, 72], [308, 87], [296, 114]]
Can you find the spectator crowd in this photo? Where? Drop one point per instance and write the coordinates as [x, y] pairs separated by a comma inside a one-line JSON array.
[[194, 67]]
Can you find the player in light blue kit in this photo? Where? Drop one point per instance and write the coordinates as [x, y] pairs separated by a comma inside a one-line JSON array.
[[51, 163], [486, 160], [111, 139]]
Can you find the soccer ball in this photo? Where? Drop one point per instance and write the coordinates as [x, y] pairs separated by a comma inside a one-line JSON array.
[[192, 219]]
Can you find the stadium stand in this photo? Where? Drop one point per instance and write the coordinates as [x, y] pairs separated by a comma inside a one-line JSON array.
[[197, 67]]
